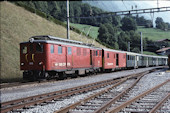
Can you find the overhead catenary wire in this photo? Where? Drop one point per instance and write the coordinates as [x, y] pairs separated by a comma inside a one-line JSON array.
[[124, 5], [127, 12]]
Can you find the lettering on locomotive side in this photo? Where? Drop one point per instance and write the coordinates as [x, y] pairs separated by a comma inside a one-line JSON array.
[[56, 64], [68, 64], [109, 64], [64, 64], [61, 64]]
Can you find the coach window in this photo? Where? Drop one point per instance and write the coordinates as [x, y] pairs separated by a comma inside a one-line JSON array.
[[52, 48], [69, 51], [24, 49], [39, 48], [107, 55], [59, 50], [96, 53]]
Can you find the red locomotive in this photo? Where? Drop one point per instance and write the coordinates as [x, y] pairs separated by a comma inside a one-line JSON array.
[[48, 57]]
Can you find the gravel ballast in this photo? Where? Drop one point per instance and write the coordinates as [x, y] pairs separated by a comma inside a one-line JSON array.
[[21, 92]]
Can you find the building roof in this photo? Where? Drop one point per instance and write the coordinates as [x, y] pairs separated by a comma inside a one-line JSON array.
[[163, 49]]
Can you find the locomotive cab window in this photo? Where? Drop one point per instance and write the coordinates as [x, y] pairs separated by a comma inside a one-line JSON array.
[[59, 50], [52, 48], [24, 49], [39, 48]]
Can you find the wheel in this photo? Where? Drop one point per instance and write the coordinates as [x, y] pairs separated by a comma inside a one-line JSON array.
[[62, 75]]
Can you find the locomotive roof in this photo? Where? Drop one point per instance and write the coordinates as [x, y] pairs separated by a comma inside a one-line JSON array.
[[57, 40], [48, 37]]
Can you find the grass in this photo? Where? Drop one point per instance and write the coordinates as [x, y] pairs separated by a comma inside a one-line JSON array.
[[151, 33], [154, 34], [18, 25], [149, 53], [93, 31]]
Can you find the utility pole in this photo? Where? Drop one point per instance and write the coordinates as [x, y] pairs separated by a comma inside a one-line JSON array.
[[157, 4], [129, 46], [141, 43], [68, 26]]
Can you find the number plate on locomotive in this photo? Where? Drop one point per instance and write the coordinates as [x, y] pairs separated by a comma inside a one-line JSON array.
[[31, 63]]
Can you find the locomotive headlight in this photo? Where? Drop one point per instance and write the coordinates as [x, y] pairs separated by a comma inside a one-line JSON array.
[[40, 63], [22, 64]]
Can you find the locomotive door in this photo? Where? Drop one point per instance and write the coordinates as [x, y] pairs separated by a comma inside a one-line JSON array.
[[92, 58], [69, 57]]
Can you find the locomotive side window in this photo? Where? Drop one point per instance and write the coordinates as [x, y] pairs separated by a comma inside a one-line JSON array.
[[96, 53], [78, 51], [24, 49], [59, 50], [107, 55], [69, 50], [100, 53], [52, 48], [39, 47]]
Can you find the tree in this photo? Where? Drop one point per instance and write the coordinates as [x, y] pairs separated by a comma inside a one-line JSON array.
[[160, 23], [128, 24], [148, 24], [136, 50], [123, 40], [108, 35]]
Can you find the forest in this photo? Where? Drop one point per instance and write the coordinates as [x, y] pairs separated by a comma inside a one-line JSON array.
[[114, 31]]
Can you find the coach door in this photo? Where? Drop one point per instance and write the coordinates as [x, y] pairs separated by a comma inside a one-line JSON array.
[[91, 57], [69, 57], [136, 61]]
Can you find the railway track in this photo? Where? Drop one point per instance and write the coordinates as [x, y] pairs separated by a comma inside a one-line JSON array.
[[147, 102], [112, 101], [48, 97], [95, 102], [35, 83]]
